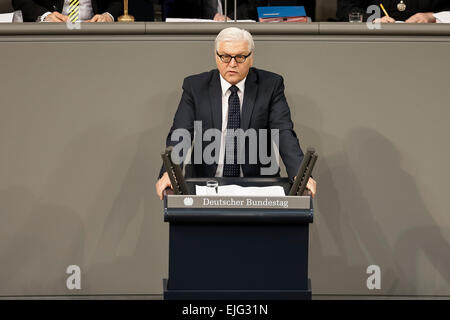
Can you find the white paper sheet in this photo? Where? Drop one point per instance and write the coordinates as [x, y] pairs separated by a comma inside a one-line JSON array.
[[442, 17], [6, 17], [235, 190]]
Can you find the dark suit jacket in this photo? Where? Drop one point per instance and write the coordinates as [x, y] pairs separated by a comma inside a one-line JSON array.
[[264, 107], [141, 10], [32, 9], [344, 7]]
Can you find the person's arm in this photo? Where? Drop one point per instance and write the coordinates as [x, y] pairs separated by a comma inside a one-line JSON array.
[[184, 116], [280, 118], [422, 17], [30, 9], [289, 147], [184, 119], [431, 16], [115, 8], [112, 10]]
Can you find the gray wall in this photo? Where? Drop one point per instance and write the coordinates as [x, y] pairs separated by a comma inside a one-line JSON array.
[[83, 119]]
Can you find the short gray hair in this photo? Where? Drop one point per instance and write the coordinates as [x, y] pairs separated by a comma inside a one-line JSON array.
[[235, 34]]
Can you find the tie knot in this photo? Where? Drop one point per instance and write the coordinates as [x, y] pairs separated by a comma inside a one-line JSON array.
[[234, 89]]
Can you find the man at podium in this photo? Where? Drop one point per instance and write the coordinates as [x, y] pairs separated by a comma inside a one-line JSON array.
[[235, 96]]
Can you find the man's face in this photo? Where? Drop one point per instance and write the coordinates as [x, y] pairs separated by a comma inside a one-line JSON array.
[[233, 71]]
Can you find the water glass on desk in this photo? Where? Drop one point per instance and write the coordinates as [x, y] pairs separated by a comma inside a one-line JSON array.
[[212, 187], [355, 17]]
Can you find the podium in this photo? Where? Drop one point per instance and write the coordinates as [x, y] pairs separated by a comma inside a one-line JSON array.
[[228, 247]]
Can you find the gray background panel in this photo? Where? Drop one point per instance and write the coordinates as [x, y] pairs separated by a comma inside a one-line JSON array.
[[82, 124]]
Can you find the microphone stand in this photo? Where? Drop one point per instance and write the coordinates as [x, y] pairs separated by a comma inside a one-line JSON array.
[[226, 10]]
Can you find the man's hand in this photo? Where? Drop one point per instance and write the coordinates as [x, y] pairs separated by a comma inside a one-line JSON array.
[[162, 184], [384, 19], [220, 17], [56, 17], [422, 17], [101, 18], [311, 186]]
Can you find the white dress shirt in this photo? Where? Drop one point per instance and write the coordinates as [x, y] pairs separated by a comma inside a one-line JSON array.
[[442, 17], [219, 7], [225, 95]]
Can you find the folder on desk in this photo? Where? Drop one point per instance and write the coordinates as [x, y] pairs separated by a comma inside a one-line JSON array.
[[282, 14]]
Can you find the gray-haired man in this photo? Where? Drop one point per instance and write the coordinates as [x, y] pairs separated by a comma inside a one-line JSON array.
[[235, 96]]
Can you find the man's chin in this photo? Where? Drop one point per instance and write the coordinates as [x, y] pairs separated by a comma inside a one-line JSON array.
[[233, 79]]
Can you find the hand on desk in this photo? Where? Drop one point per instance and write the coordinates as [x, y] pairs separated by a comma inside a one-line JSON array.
[[56, 17], [162, 184], [311, 186], [384, 19], [220, 17], [59, 17], [101, 18], [422, 17]]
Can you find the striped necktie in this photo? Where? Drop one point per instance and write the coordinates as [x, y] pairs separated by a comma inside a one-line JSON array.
[[74, 10]]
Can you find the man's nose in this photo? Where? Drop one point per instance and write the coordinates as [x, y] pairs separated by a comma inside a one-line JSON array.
[[233, 62]]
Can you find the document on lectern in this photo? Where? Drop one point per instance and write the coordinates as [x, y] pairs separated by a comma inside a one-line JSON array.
[[235, 190]]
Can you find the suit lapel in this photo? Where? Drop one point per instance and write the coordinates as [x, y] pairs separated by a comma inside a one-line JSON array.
[[251, 88], [215, 97]]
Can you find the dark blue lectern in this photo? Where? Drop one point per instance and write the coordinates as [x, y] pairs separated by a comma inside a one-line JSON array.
[[238, 247]]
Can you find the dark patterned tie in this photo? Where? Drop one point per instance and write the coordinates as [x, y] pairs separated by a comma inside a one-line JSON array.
[[234, 122]]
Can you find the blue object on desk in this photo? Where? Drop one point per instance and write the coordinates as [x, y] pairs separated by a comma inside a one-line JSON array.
[[281, 12]]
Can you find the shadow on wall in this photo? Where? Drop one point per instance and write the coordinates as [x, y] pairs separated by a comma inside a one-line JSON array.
[[374, 215], [397, 202], [135, 208], [368, 211], [337, 261], [32, 261]]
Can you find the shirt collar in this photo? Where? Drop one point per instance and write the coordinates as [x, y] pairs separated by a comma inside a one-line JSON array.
[[226, 85]]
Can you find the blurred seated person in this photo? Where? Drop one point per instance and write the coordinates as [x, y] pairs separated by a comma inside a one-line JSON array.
[[58, 10], [410, 11], [215, 9]]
